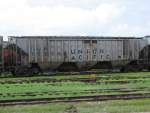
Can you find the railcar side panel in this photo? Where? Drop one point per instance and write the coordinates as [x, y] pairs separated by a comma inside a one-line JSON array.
[[52, 52]]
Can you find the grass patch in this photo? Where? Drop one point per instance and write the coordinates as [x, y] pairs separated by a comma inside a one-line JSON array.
[[28, 87], [119, 106]]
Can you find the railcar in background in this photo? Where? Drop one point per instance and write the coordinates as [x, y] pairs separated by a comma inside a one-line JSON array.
[[75, 53], [1, 54]]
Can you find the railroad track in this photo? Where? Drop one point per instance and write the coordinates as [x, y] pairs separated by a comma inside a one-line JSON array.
[[95, 80], [74, 99]]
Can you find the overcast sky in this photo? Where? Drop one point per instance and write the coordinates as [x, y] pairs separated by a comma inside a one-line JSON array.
[[75, 17]]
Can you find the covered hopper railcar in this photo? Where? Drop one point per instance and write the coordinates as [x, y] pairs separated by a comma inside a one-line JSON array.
[[75, 52]]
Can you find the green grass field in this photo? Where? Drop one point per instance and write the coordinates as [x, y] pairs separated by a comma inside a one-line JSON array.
[[77, 85], [119, 106]]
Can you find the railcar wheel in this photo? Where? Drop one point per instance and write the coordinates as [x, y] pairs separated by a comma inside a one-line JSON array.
[[131, 68], [35, 70]]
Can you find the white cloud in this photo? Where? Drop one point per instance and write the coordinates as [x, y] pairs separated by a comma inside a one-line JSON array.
[[67, 17], [18, 15]]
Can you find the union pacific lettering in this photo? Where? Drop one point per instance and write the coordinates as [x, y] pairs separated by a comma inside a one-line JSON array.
[[88, 54]]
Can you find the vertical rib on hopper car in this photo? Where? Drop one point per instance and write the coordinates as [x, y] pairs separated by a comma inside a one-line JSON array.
[[56, 52]]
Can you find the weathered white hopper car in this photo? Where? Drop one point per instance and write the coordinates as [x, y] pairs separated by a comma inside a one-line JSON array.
[[81, 52]]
